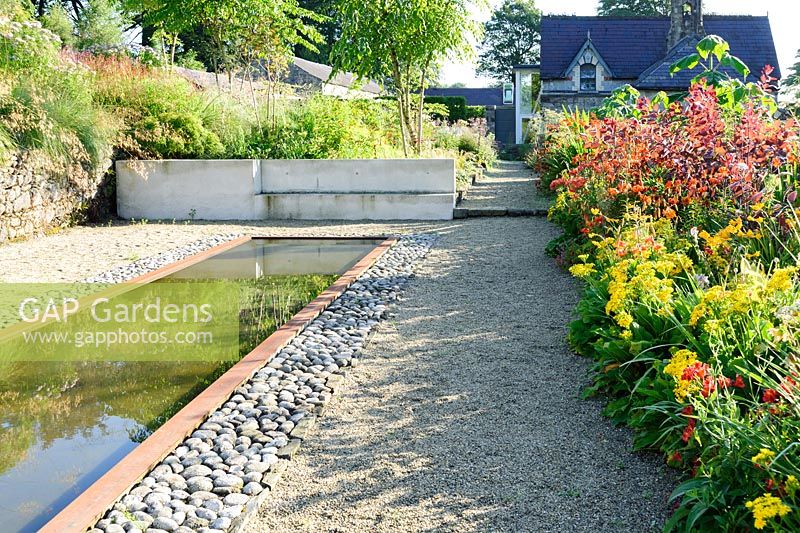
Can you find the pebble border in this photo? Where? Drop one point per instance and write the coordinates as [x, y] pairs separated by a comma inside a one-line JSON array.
[[217, 479]]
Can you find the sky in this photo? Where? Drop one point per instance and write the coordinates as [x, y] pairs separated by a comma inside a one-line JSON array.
[[783, 16]]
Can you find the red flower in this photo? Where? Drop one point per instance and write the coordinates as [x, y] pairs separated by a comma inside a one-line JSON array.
[[696, 371], [689, 430], [788, 385], [695, 466], [770, 485], [688, 410], [770, 396], [739, 383], [676, 458]]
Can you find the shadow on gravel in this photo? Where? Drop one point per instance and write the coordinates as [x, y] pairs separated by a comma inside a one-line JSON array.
[[465, 414]]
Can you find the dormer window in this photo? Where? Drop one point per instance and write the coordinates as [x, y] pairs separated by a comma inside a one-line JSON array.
[[588, 78]]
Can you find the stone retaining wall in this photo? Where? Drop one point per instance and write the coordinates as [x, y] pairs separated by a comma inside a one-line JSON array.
[[37, 194]]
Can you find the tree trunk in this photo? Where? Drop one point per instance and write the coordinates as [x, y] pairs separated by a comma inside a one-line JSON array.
[[407, 116], [253, 98], [401, 108], [172, 50], [421, 108]]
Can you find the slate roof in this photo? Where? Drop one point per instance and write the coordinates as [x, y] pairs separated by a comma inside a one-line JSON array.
[[632, 46], [323, 73], [481, 97]]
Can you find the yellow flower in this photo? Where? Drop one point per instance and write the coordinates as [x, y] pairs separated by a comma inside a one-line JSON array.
[[792, 485], [713, 327], [582, 271], [781, 280], [698, 313], [765, 508], [758, 207], [624, 320], [679, 362], [763, 457]]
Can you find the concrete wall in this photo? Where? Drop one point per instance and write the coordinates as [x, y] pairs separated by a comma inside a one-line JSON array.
[[397, 189]]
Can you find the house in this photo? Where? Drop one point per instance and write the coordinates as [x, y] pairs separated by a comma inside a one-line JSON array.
[[484, 96], [310, 77], [583, 59]]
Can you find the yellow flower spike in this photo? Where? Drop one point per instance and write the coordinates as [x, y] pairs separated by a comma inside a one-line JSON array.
[[582, 271], [679, 362], [781, 280], [765, 508], [624, 319]]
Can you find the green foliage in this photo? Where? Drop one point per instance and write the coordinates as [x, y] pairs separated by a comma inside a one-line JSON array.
[[329, 29], [237, 32], [793, 79], [163, 116], [474, 148], [327, 128], [402, 41], [633, 8], [730, 92], [456, 106], [46, 102], [511, 37], [57, 21], [100, 27]]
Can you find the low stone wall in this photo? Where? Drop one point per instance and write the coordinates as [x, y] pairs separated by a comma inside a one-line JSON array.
[[388, 189], [37, 194]]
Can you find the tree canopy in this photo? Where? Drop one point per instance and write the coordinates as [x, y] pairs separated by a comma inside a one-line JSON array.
[[404, 41], [793, 79], [511, 37], [633, 8]]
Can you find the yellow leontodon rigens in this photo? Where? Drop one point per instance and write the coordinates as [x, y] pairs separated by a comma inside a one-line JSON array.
[[755, 288], [583, 270], [680, 362], [764, 457], [767, 507]]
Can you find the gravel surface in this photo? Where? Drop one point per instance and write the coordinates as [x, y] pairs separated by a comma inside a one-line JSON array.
[[228, 465], [465, 415], [509, 185]]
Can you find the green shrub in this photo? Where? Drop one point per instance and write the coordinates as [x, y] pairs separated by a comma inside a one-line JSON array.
[[57, 21], [328, 128], [472, 112]]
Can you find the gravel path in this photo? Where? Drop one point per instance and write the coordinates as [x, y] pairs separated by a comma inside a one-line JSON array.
[[465, 412], [509, 185]]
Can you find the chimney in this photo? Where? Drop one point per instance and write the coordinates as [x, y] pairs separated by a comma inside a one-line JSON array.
[[686, 19]]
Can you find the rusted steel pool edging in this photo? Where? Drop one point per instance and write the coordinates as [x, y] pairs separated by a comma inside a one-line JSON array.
[[90, 506]]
